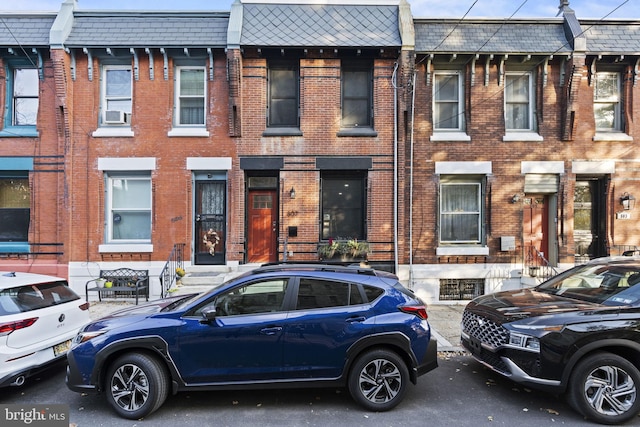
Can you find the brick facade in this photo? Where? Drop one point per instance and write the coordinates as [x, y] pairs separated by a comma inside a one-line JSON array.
[[532, 184]]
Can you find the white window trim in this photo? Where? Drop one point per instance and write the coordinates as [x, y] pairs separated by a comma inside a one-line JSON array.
[[479, 213], [612, 136], [187, 131], [109, 208], [531, 127], [441, 135], [526, 135], [118, 248], [103, 96], [113, 132], [176, 123], [461, 122], [616, 100]]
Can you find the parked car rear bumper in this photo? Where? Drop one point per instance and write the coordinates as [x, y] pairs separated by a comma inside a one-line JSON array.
[[430, 359]]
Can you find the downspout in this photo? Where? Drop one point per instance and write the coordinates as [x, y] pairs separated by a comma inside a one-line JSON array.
[[413, 104], [395, 167]]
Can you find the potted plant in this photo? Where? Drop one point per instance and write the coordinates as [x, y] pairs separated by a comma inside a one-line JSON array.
[[345, 250]]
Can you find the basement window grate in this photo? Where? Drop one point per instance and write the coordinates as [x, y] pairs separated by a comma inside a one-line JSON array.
[[460, 289]]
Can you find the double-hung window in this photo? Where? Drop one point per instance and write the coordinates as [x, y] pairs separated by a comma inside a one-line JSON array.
[[117, 94], [518, 101], [283, 94], [461, 211], [190, 96], [357, 95], [15, 207], [343, 205], [129, 208], [25, 97], [607, 103], [22, 100], [448, 99]]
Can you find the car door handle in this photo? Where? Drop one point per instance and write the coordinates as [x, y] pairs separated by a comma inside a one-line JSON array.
[[356, 319], [271, 331]]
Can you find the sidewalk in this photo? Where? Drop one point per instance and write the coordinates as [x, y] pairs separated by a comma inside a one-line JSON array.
[[445, 325], [444, 320]]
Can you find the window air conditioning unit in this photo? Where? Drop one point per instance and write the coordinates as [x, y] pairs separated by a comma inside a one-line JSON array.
[[115, 117]]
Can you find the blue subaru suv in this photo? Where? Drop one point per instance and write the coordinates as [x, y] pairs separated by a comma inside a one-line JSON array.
[[276, 326]]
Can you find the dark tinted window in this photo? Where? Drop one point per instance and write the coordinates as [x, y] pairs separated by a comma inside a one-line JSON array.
[[316, 293], [372, 292], [259, 297], [605, 284], [33, 297]]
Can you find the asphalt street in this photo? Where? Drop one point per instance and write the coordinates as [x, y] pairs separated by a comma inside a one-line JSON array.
[[460, 392]]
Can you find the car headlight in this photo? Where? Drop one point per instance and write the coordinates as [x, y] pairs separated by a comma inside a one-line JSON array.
[[525, 342], [86, 336]]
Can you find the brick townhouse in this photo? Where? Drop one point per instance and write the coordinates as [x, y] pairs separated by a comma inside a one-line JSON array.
[[525, 161], [32, 185], [468, 156]]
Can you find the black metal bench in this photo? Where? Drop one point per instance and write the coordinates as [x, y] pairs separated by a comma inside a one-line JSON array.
[[125, 282]]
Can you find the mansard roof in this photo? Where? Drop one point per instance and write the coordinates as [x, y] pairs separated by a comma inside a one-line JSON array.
[[148, 29], [26, 29], [612, 37], [315, 25], [491, 36]]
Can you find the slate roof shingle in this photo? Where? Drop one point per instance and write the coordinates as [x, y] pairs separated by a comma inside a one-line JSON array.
[[26, 30], [491, 36], [619, 38], [289, 25], [149, 29]]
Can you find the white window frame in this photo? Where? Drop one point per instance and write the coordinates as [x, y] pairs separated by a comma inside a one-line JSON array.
[[614, 99], [105, 99], [179, 97], [479, 213], [110, 179], [437, 102], [509, 102]]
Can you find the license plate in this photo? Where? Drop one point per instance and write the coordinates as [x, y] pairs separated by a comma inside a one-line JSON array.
[[61, 348], [474, 345]]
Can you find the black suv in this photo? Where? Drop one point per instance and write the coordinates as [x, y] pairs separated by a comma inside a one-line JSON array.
[[577, 333]]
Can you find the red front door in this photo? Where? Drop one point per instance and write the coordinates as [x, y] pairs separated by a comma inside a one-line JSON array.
[[535, 227], [262, 228]]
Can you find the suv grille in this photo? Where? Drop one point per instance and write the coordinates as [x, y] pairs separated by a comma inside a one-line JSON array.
[[486, 331]]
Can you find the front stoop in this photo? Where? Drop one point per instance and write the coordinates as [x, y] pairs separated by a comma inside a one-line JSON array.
[[204, 278]]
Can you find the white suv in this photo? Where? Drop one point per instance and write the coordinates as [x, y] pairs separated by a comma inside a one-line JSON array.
[[39, 315]]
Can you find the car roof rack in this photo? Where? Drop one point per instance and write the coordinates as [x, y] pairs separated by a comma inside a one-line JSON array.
[[311, 266]]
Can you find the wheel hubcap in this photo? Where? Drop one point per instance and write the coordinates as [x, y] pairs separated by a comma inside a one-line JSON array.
[[610, 390], [380, 381], [129, 387]]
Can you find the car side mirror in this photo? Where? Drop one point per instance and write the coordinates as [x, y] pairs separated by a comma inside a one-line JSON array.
[[208, 315]]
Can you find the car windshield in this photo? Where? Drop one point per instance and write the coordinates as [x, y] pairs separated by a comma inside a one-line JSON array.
[[602, 284], [33, 297]]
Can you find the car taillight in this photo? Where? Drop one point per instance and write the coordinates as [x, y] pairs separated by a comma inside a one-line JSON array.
[[417, 310], [85, 306], [7, 328]]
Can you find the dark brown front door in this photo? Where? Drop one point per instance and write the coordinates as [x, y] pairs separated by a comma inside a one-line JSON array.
[[262, 214]]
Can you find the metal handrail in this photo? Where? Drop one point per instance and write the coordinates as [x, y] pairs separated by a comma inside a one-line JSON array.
[[168, 274], [538, 266]]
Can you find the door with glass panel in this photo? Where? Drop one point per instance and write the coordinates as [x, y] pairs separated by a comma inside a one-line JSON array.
[[210, 220], [589, 224]]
